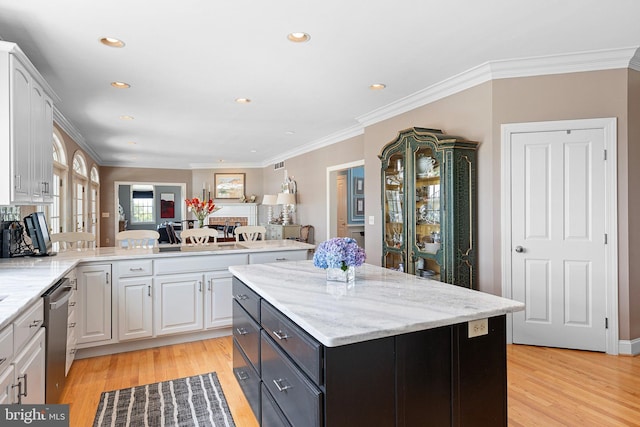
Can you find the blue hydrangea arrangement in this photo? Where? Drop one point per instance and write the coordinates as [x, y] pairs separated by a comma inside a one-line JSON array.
[[339, 252]]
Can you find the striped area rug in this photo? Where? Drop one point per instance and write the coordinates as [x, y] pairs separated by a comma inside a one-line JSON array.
[[191, 401]]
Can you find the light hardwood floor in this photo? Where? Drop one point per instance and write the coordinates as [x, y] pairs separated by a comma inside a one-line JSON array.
[[546, 387]]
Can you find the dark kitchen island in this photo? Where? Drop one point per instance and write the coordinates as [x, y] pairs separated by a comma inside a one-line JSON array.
[[389, 350]]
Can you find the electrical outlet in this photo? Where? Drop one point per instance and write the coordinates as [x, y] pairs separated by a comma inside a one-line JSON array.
[[478, 327], [371, 220], [105, 214]]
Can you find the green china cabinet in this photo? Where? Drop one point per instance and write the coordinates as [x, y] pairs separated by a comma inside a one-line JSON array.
[[429, 206]]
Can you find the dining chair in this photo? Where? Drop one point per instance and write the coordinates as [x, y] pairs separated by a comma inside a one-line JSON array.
[[250, 232], [137, 239], [74, 240], [198, 236]]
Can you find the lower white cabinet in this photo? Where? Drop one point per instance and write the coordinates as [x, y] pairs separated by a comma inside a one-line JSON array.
[[29, 366], [217, 299], [7, 392], [177, 303], [135, 308], [72, 321], [94, 303]]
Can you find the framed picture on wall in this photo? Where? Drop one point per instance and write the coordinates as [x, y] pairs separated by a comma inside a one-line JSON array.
[[229, 185], [167, 205], [358, 185], [359, 206]]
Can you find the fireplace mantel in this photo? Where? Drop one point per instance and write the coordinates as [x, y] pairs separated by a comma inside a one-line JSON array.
[[234, 211]]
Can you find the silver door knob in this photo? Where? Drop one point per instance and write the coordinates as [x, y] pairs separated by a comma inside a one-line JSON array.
[[519, 249]]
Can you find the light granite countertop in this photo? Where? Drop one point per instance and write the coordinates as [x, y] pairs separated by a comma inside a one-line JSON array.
[[379, 304], [24, 280]]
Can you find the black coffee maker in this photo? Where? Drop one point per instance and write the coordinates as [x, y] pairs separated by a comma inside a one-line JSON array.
[[12, 241]]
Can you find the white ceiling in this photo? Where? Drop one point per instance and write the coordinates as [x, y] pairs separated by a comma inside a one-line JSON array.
[[188, 61]]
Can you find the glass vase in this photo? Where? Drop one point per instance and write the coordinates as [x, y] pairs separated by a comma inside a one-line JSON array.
[[200, 223], [340, 275]]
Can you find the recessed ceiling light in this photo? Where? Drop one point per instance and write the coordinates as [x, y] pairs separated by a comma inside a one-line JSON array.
[[377, 86], [112, 42], [254, 151], [126, 118], [298, 37], [120, 85], [243, 100], [289, 132], [131, 142]]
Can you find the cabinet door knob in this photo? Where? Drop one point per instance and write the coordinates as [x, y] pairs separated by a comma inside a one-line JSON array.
[[519, 249]]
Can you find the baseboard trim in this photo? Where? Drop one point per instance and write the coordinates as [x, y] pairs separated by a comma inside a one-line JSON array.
[[629, 347], [103, 350]]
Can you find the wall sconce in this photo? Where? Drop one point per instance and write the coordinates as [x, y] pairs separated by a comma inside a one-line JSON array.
[[269, 200], [286, 199]]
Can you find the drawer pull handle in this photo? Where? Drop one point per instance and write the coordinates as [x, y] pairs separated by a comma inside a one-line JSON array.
[[72, 325], [35, 324], [281, 259], [136, 269], [72, 304], [19, 386], [242, 331], [242, 297], [280, 335], [280, 387], [4, 359], [25, 378], [242, 376], [72, 351]]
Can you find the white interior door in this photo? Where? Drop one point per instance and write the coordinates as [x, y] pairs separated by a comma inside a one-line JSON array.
[[558, 238]]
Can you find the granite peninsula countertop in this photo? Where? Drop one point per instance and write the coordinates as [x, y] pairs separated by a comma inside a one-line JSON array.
[[23, 280], [381, 303]]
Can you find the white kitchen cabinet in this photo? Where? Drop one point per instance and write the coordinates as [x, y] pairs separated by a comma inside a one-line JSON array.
[[8, 394], [218, 299], [94, 303], [135, 308], [29, 367], [177, 303], [26, 126]]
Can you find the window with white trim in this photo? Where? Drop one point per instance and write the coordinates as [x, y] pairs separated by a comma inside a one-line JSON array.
[[94, 199], [142, 204], [79, 192]]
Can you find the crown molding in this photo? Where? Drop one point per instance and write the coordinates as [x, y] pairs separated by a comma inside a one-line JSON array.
[[493, 70], [75, 135]]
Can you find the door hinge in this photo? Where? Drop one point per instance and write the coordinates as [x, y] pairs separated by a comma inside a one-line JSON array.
[[605, 238], [606, 323], [605, 154]]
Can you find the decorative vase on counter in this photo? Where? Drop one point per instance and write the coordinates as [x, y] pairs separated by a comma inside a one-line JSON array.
[[340, 275]]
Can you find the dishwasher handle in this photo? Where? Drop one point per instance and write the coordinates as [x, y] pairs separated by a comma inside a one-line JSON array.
[[59, 294], [62, 299]]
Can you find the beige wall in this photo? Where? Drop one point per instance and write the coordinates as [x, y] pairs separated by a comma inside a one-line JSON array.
[[578, 96], [468, 115], [633, 214], [310, 173]]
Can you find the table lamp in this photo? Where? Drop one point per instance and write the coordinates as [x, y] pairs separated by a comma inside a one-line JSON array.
[[269, 200], [286, 199]]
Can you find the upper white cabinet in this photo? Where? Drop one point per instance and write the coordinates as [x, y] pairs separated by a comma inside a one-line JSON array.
[[26, 128]]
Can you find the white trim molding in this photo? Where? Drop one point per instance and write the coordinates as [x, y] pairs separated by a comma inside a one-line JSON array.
[[629, 348], [609, 126]]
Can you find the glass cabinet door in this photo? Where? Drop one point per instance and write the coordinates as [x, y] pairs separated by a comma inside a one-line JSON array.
[[426, 226], [394, 212]]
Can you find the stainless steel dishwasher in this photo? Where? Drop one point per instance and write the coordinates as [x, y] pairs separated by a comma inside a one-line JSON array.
[[56, 301]]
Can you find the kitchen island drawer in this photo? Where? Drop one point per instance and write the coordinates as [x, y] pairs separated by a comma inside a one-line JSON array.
[[135, 268], [272, 416], [247, 333], [299, 345], [298, 398], [248, 299], [247, 377]]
